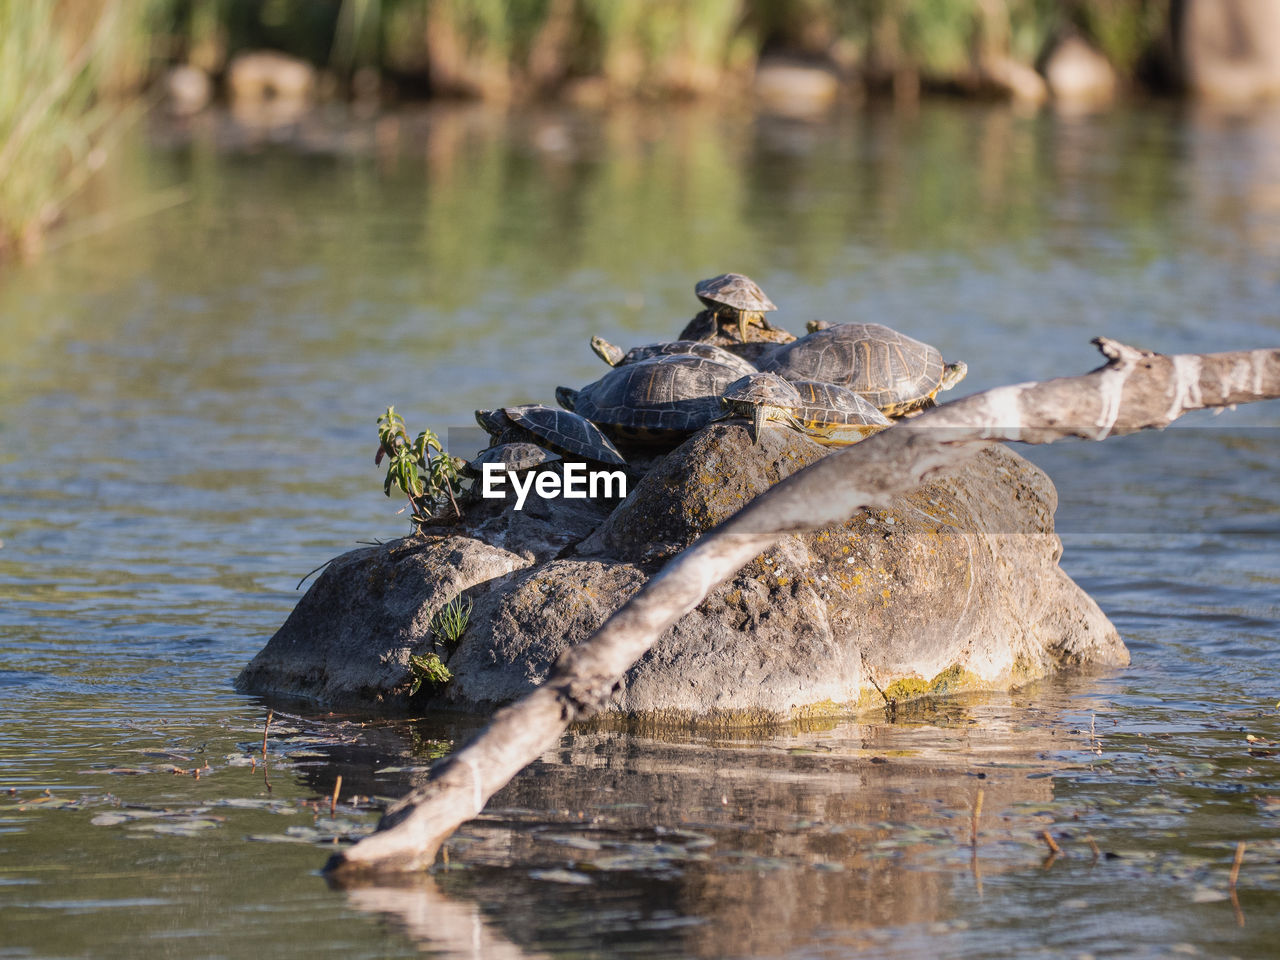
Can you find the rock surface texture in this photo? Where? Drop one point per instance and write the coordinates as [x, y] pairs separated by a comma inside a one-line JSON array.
[[955, 586]]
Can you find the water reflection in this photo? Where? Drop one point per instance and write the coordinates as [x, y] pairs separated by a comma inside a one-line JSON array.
[[449, 927], [697, 845], [186, 423]]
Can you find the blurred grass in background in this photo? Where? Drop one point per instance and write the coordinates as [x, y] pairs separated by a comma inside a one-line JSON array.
[[59, 62], [648, 47], [67, 66]]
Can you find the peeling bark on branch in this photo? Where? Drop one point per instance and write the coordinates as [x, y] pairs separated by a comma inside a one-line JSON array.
[[1135, 390]]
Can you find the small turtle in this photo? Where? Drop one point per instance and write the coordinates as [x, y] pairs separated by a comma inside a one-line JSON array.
[[614, 356], [735, 296], [513, 457], [831, 415], [653, 401], [898, 374], [562, 431], [761, 397]]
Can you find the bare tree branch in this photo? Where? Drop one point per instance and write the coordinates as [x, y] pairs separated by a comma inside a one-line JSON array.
[[1134, 390]]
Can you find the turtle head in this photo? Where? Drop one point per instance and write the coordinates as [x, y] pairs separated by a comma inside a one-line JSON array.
[[747, 410], [813, 326], [567, 397], [952, 374], [606, 351], [493, 422]]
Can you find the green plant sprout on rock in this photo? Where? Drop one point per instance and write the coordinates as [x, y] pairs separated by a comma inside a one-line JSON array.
[[429, 669], [447, 628], [429, 479], [450, 623]]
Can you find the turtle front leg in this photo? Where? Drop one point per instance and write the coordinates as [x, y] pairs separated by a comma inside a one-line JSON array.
[[759, 416], [742, 325]]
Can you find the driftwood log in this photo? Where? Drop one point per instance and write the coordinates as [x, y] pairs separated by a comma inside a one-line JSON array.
[[1135, 390]]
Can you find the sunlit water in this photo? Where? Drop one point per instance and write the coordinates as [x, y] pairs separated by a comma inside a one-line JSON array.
[[187, 405]]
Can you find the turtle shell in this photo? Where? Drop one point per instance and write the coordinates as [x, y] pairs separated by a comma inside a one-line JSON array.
[[666, 394], [763, 388], [826, 403], [895, 372], [564, 432], [513, 457], [693, 348], [761, 397], [733, 290], [834, 415]]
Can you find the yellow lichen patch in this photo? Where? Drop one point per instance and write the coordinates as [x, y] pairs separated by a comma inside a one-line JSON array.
[[822, 710], [819, 724], [953, 679], [1024, 670], [906, 688], [869, 698]]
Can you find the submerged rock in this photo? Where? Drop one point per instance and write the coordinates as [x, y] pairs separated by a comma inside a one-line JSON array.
[[1079, 75], [260, 76], [1229, 53], [795, 88], [188, 89], [955, 586]]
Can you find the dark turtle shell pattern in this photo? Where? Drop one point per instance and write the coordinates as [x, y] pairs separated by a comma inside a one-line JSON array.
[[676, 394], [564, 432], [895, 372], [513, 457], [826, 403], [668, 348], [733, 290], [763, 388]]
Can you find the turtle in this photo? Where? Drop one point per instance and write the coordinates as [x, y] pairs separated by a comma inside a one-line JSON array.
[[761, 397], [615, 357], [735, 298], [514, 457], [897, 373], [831, 415], [655, 400], [836, 416], [564, 432]]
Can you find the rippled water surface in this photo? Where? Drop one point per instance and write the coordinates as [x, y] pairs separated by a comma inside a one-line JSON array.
[[187, 405]]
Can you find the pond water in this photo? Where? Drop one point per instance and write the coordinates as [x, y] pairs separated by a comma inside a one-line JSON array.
[[187, 406]]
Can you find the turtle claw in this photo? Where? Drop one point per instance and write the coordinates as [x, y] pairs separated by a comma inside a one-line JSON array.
[[758, 418]]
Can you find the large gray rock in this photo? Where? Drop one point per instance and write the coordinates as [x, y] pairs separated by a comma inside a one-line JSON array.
[[956, 586]]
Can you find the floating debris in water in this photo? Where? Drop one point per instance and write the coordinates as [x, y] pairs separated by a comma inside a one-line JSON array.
[[561, 876]]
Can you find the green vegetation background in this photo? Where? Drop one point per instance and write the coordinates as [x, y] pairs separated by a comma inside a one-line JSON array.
[[73, 71]]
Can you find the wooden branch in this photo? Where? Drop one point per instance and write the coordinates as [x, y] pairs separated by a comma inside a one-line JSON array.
[[1134, 390]]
